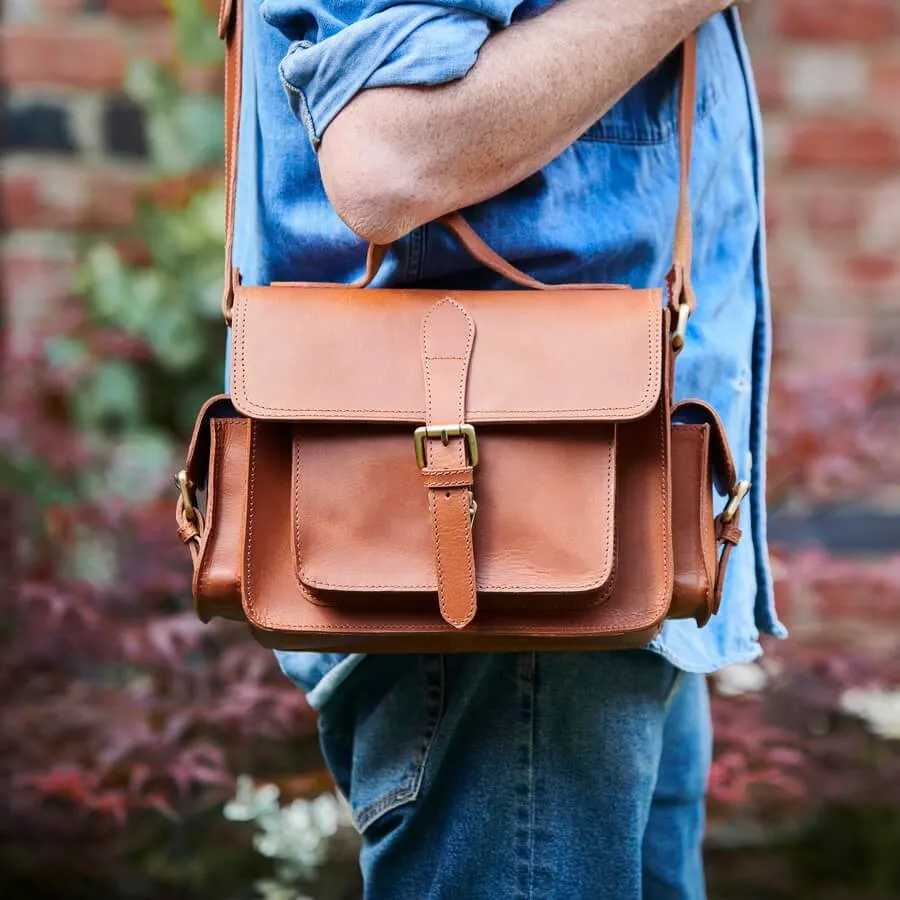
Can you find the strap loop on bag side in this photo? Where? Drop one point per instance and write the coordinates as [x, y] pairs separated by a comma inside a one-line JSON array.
[[682, 300]]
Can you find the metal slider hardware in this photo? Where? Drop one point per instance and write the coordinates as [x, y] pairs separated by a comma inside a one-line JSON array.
[[188, 496], [684, 313], [444, 433], [737, 498]]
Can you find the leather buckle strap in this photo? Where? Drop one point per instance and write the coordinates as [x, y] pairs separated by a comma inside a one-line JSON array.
[[445, 432], [447, 456]]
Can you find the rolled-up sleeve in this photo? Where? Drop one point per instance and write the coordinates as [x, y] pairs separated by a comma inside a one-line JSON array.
[[350, 45]]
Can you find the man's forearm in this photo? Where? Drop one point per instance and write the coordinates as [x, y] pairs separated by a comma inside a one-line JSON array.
[[398, 157]]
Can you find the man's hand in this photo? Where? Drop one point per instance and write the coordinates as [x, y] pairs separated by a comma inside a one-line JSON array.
[[398, 157]]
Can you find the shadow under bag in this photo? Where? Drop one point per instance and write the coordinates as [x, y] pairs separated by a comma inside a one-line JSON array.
[[413, 470]]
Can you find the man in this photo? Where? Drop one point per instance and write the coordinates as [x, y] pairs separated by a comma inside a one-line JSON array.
[[554, 124]]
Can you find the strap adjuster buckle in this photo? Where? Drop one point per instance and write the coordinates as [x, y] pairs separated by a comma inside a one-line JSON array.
[[678, 335], [188, 496], [742, 488], [444, 433]]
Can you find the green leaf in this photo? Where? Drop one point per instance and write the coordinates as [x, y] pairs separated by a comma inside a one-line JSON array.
[[110, 397], [196, 35]]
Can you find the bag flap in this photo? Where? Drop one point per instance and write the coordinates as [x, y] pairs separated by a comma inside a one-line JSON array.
[[348, 354]]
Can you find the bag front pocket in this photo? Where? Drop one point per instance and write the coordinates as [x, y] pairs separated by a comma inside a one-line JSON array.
[[361, 523]]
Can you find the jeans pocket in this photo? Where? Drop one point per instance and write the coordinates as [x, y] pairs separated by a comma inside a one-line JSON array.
[[377, 731]]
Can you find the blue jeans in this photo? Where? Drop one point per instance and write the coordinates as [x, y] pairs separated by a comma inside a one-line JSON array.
[[578, 776]]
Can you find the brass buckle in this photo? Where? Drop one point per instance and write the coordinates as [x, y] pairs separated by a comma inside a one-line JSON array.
[[684, 313], [188, 497], [737, 498], [445, 432]]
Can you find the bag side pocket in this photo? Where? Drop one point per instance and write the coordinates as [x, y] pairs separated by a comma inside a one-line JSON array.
[[217, 572]]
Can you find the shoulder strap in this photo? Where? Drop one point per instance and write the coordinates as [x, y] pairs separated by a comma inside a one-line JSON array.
[[231, 16], [681, 293]]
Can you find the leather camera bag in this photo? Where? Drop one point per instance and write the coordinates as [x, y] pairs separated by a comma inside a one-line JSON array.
[[413, 470]]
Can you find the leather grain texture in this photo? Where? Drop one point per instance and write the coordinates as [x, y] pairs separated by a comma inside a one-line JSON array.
[[693, 525], [632, 608], [539, 356], [361, 519], [217, 575]]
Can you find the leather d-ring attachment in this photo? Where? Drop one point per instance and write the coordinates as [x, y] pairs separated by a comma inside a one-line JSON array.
[[447, 453]]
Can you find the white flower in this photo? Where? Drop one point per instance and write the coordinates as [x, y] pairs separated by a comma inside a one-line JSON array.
[[251, 802], [296, 837], [274, 890], [741, 678], [879, 709]]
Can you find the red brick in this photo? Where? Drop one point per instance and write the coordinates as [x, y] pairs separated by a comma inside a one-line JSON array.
[[155, 41], [775, 214], [200, 79], [865, 591], [838, 143], [34, 279], [839, 210], [19, 202], [68, 197], [134, 250], [885, 81], [800, 338], [139, 9], [78, 58], [769, 76], [837, 20], [95, 57], [784, 278], [60, 7], [871, 270], [35, 283]]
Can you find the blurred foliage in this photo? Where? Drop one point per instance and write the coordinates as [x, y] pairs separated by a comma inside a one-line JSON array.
[[121, 708], [804, 790], [304, 838]]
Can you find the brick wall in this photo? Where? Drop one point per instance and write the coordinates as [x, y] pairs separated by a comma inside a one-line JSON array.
[[73, 144], [829, 75]]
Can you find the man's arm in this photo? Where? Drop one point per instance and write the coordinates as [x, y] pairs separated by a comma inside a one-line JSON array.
[[397, 157]]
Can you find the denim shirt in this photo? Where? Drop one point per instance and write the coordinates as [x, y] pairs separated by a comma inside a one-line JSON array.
[[602, 211]]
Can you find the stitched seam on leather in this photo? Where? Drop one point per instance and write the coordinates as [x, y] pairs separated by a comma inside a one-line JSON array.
[[470, 563], [461, 459], [666, 517], [460, 481], [617, 628], [262, 409], [626, 621], [248, 537], [297, 511], [704, 513]]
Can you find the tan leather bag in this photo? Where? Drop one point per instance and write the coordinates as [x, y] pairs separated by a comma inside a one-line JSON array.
[[430, 470]]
